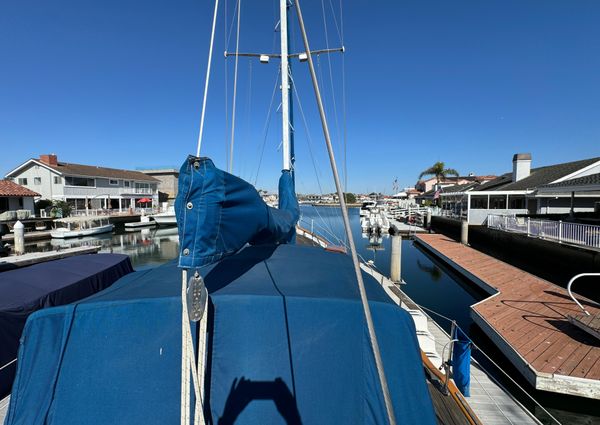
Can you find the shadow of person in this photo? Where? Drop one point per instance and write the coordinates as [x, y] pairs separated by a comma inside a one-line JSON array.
[[244, 391]]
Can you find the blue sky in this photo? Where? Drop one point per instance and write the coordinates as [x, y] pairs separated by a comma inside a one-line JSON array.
[[119, 84]]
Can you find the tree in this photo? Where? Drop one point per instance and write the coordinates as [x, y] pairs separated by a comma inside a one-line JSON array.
[[60, 209], [440, 172], [350, 198]]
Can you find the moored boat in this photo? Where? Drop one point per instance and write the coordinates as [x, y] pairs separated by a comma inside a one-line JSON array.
[[76, 227]]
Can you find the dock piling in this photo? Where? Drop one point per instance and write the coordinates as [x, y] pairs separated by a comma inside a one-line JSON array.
[[19, 242], [396, 259], [464, 232]]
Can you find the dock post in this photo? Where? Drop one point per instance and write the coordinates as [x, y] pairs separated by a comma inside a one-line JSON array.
[[428, 218], [464, 232], [396, 259], [19, 232]]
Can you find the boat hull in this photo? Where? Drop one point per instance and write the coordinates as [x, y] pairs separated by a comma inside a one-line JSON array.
[[80, 233], [165, 220]]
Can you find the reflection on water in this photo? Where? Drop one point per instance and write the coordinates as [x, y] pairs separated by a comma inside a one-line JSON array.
[[145, 247]]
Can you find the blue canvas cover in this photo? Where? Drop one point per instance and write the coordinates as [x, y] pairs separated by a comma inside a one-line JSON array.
[[218, 213], [461, 361], [287, 343], [28, 289]]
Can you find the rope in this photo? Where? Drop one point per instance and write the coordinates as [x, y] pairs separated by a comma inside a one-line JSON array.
[[235, 74], [210, 51], [361, 286]]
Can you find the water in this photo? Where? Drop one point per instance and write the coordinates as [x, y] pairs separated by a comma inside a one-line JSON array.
[[429, 283]]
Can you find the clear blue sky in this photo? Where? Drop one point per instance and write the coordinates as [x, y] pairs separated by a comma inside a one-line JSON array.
[[119, 84]]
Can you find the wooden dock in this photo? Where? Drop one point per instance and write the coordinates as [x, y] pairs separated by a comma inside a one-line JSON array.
[[528, 318], [13, 261]]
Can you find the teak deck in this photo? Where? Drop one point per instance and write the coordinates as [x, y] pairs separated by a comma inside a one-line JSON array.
[[528, 318]]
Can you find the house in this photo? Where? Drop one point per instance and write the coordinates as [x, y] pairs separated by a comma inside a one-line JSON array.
[[168, 180], [525, 190], [85, 186], [427, 185], [15, 197]]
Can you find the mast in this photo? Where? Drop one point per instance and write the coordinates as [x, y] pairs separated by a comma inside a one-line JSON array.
[[285, 85]]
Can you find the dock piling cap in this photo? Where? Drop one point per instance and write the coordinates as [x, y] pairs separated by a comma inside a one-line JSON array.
[[18, 225]]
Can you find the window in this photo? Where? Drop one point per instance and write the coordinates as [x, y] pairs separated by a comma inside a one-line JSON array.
[[498, 202], [80, 181], [126, 183], [37, 180], [479, 202], [113, 182], [22, 181], [142, 188], [56, 179], [516, 202]]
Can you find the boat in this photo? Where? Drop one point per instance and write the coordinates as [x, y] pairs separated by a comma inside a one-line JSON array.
[[166, 218], [145, 221], [76, 227], [250, 324]]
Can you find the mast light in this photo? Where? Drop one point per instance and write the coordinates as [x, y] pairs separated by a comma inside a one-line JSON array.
[[303, 57], [264, 58]]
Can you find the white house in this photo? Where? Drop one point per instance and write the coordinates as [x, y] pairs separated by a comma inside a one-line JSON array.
[[98, 187], [525, 190]]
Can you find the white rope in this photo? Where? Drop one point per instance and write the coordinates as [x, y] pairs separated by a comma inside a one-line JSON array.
[[189, 364], [210, 51], [8, 364], [235, 74]]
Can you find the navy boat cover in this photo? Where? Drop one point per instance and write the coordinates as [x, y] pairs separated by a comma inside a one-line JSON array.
[[218, 213], [288, 343], [28, 289]]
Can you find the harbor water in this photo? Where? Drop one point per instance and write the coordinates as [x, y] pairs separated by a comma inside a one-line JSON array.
[[427, 281]]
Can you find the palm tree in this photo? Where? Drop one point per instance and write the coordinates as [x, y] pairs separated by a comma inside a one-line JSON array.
[[440, 171]]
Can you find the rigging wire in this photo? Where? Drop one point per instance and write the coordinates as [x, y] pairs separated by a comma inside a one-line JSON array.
[[266, 126], [494, 363], [210, 51], [359, 279], [235, 75], [333, 101]]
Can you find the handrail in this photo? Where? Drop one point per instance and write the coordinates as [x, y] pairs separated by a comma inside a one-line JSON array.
[[573, 279]]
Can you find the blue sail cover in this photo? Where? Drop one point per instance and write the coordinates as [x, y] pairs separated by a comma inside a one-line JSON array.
[[218, 213], [288, 343], [461, 361]]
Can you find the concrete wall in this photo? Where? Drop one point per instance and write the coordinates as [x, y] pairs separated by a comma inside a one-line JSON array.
[[552, 261]]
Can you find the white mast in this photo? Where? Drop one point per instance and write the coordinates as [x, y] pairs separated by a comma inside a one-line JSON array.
[[285, 86]]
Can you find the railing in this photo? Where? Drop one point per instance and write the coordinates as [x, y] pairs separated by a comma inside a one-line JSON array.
[[586, 235]]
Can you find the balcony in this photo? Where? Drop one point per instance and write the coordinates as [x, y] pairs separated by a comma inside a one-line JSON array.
[[91, 192]]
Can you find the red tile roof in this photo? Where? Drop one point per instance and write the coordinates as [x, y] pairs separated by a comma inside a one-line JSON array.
[[8, 188]]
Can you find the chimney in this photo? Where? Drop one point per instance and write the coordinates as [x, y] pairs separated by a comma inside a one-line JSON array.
[[521, 166], [50, 159]]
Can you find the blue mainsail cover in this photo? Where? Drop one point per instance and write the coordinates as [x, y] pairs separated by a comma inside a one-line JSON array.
[[218, 213], [461, 361], [288, 343]]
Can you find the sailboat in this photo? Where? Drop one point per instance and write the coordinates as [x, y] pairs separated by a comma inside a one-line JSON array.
[[249, 325]]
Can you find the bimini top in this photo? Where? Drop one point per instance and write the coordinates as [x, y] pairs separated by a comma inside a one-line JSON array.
[[288, 343]]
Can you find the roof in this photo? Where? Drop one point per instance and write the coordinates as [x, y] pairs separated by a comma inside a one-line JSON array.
[[591, 180], [93, 171], [8, 188], [90, 171], [539, 176], [451, 189]]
